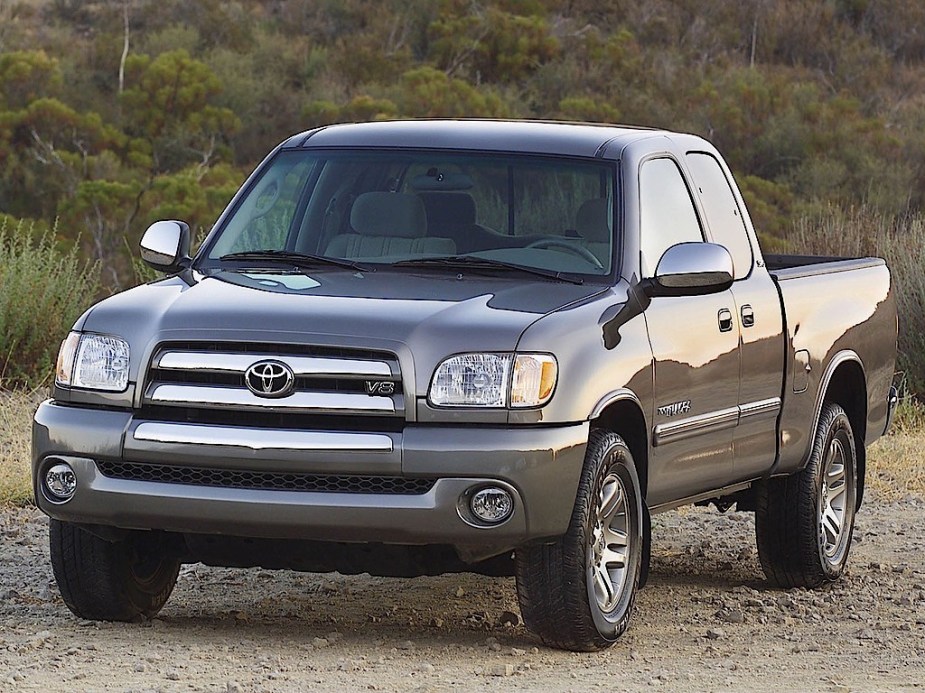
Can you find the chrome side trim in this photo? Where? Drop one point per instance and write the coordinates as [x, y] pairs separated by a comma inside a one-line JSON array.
[[760, 408], [686, 428], [210, 395], [714, 421], [261, 439], [300, 365]]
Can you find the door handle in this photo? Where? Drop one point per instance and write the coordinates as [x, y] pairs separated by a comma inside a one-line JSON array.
[[725, 319], [748, 316]]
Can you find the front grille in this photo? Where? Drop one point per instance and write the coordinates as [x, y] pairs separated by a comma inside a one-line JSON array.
[[264, 481], [209, 380]]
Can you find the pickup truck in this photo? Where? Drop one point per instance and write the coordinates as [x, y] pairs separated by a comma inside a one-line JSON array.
[[413, 348]]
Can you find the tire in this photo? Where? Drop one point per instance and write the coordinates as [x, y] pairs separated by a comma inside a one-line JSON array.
[[804, 522], [568, 595], [100, 580]]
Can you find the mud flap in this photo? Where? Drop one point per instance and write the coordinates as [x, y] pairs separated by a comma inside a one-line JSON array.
[[646, 546]]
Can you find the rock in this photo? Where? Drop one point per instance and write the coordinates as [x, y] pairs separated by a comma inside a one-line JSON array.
[[233, 687], [517, 652], [139, 668], [427, 668], [865, 634], [436, 622], [172, 675], [731, 616], [320, 642], [508, 618], [460, 592], [715, 633], [501, 670], [405, 645]]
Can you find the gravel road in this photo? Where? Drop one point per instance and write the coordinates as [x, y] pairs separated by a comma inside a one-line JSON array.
[[706, 622]]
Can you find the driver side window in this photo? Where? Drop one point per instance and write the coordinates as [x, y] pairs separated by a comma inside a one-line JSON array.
[[666, 211]]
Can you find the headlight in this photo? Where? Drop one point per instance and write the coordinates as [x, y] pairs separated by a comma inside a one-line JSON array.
[[494, 380], [94, 362]]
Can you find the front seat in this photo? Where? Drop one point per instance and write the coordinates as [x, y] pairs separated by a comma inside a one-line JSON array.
[[386, 224], [592, 225]]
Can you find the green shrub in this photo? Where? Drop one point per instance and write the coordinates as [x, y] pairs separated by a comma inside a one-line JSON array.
[[43, 290]]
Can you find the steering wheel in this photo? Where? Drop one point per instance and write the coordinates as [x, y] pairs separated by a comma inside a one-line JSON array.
[[573, 248], [266, 197]]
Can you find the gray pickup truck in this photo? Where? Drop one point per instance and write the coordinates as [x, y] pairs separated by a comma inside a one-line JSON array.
[[412, 348]]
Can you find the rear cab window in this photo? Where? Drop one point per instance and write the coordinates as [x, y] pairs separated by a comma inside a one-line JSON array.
[[725, 219]]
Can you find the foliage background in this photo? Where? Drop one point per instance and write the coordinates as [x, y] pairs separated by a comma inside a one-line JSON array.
[[115, 113]]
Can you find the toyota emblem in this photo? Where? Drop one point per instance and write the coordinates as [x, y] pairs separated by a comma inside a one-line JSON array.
[[269, 379]]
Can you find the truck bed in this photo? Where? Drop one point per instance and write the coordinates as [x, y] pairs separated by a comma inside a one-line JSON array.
[[835, 310], [794, 266]]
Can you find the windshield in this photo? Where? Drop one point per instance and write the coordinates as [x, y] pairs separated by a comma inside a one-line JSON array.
[[378, 208]]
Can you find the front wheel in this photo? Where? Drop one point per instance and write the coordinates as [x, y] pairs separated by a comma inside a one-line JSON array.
[[104, 580], [578, 593], [804, 522]]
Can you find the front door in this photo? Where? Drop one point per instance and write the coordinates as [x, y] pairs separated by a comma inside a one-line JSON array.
[[695, 351]]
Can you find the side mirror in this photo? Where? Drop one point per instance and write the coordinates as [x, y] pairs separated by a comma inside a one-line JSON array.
[[165, 246], [692, 269]]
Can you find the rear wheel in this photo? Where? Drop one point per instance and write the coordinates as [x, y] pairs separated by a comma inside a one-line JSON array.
[[804, 523], [579, 592], [103, 580]]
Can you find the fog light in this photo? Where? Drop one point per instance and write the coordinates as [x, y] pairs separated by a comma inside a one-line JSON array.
[[60, 481], [491, 505]]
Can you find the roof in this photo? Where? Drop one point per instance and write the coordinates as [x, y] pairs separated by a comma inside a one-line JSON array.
[[522, 136]]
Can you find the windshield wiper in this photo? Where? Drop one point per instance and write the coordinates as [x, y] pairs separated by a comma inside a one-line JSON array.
[[484, 263], [300, 260]]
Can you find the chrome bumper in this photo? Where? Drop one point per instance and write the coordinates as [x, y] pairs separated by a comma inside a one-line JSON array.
[[540, 466]]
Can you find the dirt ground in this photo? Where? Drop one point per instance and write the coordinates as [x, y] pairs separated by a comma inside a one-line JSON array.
[[706, 622]]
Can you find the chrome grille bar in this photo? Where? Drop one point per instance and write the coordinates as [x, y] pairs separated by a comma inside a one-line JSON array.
[[221, 397], [261, 439], [213, 362]]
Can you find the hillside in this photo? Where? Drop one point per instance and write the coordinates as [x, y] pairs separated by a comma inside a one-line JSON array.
[[115, 112]]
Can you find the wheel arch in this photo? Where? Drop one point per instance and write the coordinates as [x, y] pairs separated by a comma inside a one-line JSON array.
[[621, 412], [845, 384]]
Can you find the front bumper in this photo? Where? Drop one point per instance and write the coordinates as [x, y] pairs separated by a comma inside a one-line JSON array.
[[540, 466]]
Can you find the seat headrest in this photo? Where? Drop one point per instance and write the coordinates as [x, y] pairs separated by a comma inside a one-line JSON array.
[[591, 221], [388, 214], [445, 208]]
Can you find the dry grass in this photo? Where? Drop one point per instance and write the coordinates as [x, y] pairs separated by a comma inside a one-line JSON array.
[[16, 410], [894, 465]]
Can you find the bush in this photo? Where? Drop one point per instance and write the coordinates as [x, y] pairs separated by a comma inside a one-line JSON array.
[[43, 290], [901, 242]]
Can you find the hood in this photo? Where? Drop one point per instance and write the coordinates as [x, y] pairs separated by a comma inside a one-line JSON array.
[[429, 316]]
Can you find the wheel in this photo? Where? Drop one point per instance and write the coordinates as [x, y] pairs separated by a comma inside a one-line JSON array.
[[573, 248], [804, 522], [578, 593], [101, 580]]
